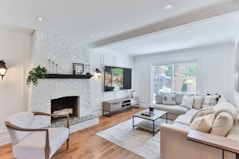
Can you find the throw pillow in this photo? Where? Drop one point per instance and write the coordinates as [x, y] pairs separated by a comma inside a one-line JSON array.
[[203, 123], [159, 99], [210, 100], [222, 124], [203, 112], [226, 107], [168, 98], [198, 102], [187, 101], [179, 97], [222, 99]]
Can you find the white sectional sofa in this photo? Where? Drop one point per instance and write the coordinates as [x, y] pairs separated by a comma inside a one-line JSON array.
[[174, 105], [220, 119]]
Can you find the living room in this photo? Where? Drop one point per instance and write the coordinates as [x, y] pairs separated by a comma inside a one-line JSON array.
[[22, 49]]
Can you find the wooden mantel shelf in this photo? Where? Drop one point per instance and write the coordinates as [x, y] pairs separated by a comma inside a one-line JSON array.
[[214, 140], [68, 76]]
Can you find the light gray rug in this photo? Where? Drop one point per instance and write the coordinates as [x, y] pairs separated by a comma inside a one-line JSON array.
[[138, 141]]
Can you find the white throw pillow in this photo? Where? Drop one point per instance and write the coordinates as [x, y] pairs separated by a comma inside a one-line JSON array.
[[203, 123], [187, 101], [168, 98], [198, 102], [222, 99], [222, 124], [226, 107], [210, 100]]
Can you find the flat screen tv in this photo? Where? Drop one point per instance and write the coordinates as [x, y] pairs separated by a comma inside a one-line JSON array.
[[117, 78]]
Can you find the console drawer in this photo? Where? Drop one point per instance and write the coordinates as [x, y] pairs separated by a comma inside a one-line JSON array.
[[112, 106]]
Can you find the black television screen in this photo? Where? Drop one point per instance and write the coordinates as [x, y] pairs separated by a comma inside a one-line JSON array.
[[117, 78]]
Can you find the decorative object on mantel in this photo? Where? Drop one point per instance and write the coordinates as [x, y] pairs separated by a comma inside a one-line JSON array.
[[35, 74], [54, 66], [87, 70], [3, 68], [78, 68]]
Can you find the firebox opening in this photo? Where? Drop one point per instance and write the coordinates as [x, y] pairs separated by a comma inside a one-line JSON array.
[[65, 105]]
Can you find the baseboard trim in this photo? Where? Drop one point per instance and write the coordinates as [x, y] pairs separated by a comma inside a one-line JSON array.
[[4, 138]]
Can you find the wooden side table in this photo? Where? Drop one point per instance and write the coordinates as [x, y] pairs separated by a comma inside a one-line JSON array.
[[219, 142]]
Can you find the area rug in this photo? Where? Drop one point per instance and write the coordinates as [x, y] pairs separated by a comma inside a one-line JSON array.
[[138, 141]]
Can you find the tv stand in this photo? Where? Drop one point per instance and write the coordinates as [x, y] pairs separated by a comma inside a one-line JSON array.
[[117, 105]]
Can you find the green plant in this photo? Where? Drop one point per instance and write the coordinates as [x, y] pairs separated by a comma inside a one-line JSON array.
[[35, 74]]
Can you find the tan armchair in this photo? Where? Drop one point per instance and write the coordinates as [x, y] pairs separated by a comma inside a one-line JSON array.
[[29, 141]]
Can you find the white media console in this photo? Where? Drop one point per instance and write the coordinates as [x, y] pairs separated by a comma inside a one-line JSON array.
[[120, 104]]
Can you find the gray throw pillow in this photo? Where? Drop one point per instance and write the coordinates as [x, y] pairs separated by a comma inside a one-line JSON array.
[[159, 98], [168, 98]]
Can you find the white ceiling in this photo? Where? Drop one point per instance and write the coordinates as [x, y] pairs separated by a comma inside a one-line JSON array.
[[130, 26], [207, 32]]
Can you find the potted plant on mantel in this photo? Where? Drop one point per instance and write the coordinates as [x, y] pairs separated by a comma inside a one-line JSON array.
[[35, 74]]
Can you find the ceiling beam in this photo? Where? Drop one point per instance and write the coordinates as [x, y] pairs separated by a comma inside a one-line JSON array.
[[175, 21]]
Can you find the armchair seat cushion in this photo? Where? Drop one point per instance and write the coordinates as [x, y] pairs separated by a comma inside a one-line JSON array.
[[35, 143], [57, 137]]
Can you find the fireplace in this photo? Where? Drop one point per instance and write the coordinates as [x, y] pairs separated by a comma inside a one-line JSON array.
[[65, 105]]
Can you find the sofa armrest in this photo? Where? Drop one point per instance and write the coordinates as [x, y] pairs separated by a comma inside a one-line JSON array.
[[174, 144]]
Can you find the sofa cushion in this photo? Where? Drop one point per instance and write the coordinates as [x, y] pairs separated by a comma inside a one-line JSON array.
[[198, 102], [222, 99], [226, 107], [222, 124], [233, 133], [173, 109], [179, 98], [181, 126], [168, 98], [203, 112], [203, 123], [184, 119], [187, 101], [210, 100], [192, 112], [159, 98]]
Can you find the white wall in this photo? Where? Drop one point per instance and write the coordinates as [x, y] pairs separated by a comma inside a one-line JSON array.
[[15, 50], [215, 70], [98, 59], [236, 73]]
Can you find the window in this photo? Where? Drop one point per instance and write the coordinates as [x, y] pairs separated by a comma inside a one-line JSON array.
[[176, 77]]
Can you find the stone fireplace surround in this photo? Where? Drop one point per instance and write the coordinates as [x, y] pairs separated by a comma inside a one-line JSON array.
[[48, 89], [64, 52]]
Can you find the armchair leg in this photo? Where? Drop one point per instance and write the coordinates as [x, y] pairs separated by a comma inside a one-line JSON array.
[[67, 143]]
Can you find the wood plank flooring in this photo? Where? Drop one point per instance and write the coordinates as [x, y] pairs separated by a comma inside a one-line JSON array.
[[85, 144]]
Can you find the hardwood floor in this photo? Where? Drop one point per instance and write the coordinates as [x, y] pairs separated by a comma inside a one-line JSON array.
[[85, 144]]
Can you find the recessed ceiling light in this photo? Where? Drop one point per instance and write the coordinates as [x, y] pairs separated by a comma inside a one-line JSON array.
[[168, 7], [188, 31], [39, 18]]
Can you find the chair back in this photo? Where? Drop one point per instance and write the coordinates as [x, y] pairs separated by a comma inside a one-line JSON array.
[[23, 120]]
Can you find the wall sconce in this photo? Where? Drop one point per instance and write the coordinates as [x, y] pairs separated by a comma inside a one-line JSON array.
[[97, 72], [3, 68]]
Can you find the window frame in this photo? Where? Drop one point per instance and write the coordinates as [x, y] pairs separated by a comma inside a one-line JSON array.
[[175, 63]]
